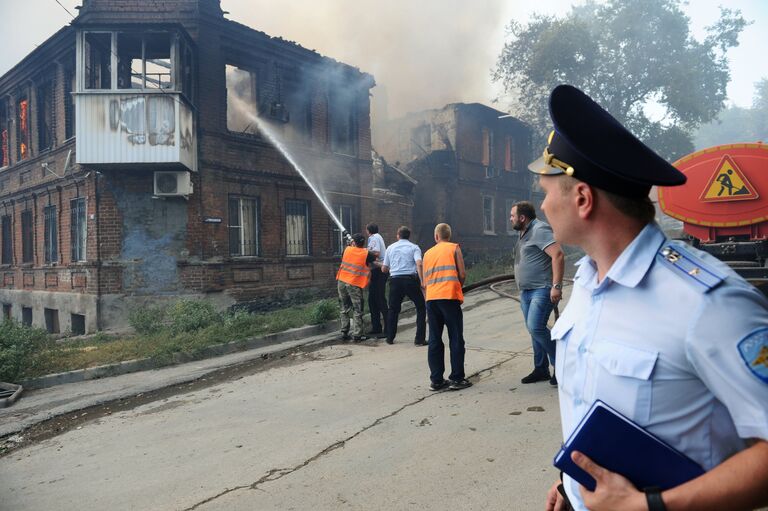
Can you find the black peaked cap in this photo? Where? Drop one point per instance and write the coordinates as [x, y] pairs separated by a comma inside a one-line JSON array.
[[592, 146]]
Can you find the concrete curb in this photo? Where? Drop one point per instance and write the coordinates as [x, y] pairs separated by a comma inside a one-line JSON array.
[[144, 364]]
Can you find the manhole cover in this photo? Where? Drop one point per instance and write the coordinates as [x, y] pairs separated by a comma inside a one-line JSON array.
[[329, 353]]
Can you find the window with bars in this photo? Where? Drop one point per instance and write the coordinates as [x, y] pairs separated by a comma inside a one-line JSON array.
[[243, 226], [346, 217], [27, 237], [488, 214], [6, 231], [78, 228], [297, 227], [50, 236]]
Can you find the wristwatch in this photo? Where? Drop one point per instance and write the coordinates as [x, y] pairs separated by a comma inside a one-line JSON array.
[[558, 286]]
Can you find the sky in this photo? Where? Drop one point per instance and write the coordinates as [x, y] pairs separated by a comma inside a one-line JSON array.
[[422, 53]]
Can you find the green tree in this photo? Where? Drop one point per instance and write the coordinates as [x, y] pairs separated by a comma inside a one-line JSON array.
[[736, 124], [636, 58]]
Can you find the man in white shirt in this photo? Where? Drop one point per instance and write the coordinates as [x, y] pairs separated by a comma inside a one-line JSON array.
[[403, 263]]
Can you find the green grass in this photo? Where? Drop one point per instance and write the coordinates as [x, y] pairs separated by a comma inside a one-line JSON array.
[[486, 269], [186, 327]]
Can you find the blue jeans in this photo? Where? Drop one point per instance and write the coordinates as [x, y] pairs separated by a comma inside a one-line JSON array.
[[537, 307]]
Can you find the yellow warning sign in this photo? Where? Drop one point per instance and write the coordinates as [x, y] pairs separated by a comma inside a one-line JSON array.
[[728, 183]]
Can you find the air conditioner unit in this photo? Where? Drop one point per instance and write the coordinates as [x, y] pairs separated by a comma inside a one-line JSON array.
[[172, 183]]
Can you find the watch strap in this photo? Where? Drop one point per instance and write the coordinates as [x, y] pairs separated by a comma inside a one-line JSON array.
[[653, 498]]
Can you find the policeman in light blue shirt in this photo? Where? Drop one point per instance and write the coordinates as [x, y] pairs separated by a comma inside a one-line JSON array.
[[403, 263], [666, 334]]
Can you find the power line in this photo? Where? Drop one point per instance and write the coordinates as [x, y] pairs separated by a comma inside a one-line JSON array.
[[57, 1]]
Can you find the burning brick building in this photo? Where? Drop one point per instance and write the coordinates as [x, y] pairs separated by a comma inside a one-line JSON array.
[[470, 164], [133, 167]]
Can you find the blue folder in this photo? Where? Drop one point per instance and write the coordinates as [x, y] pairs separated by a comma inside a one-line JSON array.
[[618, 444]]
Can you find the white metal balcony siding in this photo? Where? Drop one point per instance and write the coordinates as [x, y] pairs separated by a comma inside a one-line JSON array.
[[126, 127]]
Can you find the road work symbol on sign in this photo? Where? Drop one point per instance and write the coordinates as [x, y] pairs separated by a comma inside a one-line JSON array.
[[728, 183]]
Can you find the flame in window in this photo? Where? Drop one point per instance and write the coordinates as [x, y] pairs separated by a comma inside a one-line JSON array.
[[23, 128]]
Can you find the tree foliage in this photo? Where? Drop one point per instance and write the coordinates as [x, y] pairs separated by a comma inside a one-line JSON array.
[[636, 58], [736, 124]]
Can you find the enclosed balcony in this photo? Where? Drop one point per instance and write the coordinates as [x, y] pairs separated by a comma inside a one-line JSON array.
[[133, 99]]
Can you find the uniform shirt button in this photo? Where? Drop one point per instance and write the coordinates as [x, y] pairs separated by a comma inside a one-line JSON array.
[[582, 349]]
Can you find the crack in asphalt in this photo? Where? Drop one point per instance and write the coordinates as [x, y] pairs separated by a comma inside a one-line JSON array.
[[278, 473]]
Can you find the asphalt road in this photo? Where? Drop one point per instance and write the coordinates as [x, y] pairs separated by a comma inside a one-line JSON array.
[[346, 426]]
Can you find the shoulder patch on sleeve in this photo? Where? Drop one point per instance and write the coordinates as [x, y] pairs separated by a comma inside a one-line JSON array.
[[689, 267], [754, 352]]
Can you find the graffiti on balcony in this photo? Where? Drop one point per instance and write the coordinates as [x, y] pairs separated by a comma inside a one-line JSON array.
[[144, 119]]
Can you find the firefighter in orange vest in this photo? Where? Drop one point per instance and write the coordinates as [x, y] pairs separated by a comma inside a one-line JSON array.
[[353, 277], [443, 276]]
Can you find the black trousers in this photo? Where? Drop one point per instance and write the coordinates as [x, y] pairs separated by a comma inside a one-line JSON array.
[[377, 301], [399, 288], [445, 313]]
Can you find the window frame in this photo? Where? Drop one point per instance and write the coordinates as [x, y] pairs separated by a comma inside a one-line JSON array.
[[492, 218], [256, 235], [6, 233], [78, 242], [27, 236], [50, 234], [307, 230]]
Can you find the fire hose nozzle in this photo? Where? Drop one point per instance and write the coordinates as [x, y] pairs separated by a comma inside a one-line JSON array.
[[347, 237]]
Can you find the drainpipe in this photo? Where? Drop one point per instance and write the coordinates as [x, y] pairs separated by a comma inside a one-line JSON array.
[[98, 253]]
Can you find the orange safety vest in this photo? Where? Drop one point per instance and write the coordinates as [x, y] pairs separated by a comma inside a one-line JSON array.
[[441, 273], [353, 269]]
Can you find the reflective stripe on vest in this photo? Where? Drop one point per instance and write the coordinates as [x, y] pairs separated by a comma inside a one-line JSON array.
[[353, 270], [441, 274]]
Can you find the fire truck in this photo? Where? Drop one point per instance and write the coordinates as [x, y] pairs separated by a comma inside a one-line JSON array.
[[724, 206]]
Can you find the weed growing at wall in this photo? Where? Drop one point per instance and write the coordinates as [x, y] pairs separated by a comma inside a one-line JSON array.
[[19, 349]]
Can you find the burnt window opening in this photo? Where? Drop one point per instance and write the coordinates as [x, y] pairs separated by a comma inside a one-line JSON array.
[[6, 231], [421, 140], [26, 316], [244, 226], [343, 120], [297, 227], [78, 228], [51, 320], [45, 118], [7, 311], [50, 235], [22, 128], [346, 216], [487, 147], [5, 155], [488, 215], [509, 155], [69, 99], [97, 59], [27, 237], [242, 100], [144, 60]]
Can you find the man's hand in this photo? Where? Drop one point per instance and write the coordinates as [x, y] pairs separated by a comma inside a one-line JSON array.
[[555, 501], [613, 491], [555, 295]]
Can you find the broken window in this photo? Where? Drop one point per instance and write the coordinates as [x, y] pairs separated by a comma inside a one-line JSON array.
[[5, 156], [488, 214], [97, 59], [45, 124], [346, 218], [51, 320], [22, 128], [343, 122], [6, 231], [297, 227], [78, 228], [421, 140], [509, 155], [50, 236], [242, 100], [487, 147], [27, 237], [69, 99], [243, 226], [144, 60]]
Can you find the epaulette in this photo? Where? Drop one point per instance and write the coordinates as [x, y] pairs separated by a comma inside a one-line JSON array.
[[690, 267]]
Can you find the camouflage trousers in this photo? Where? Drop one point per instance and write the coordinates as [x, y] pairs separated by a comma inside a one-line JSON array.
[[351, 301]]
